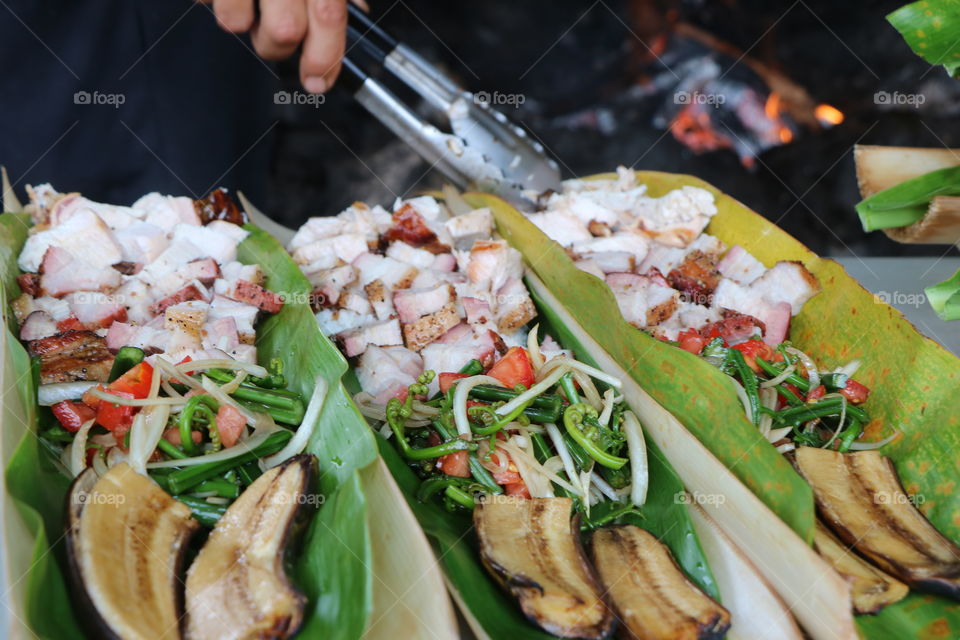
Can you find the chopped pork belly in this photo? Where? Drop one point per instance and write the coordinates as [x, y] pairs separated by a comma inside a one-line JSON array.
[[392, 273], [76, 236], [469, 227], [387, 372], [356, 341], [643, 301], [677, 218], [37, 325], [72, 355], [141, 242], [632, 243], [514, 307], [491, 263], [787, 281], [345, 247], [62, 273], [412, 304], [740, 266], [403, 252], [561, 227]]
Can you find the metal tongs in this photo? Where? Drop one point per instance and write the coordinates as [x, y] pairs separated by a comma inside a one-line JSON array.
[[483, 150]]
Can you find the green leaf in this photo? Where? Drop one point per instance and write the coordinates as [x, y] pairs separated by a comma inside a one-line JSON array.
[[336, 542], [905, 203], [944, 297], [916, 616], [932, 29], [696, 393]]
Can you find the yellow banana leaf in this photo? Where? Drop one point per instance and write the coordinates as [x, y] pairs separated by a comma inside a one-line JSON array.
[[914, 381]]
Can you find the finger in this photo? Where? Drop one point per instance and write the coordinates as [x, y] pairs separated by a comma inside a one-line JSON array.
[[323, 47], [234, 15], [281, 28]]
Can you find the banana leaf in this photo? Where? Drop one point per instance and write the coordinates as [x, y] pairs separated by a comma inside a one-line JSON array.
[[913, 380], [490, 610], [336, 567], [932, 29]]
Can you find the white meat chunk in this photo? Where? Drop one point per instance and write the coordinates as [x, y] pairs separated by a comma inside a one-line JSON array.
[[213, 243], [739, 265], [76, 236], [141, 242], [385, 373], [380, 334], [334, 321], [403, 252], [491, 263], [643, 301], [413, 304], [245, 316], [392, 273], [677, 218], [561, 227], [467, 228], [62, 273], [787, 281], [346, 247]]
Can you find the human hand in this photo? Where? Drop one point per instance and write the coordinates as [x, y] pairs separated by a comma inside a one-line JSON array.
[[284, 25]]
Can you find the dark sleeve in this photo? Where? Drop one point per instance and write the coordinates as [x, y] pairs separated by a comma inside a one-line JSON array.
[[116, 98]]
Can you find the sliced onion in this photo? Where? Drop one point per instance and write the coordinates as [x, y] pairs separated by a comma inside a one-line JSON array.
[[849, 369], [605, 488], [533, 349], [222, 363], [171, 373], [776, 435], [843, 415], [311, 419], [464, 386], [242, 447], [593, 372], [870, 446], [608, 402], [50, 394], [565, 456], [103, 439], [502, 463], [135, 402], [637, 449], [744, 400], [772, 382], [813, 374], [524, 397], [785, 447], [589, 389], [115, 456], [233, 385], [145, 433], [100, 463], [78, 449]]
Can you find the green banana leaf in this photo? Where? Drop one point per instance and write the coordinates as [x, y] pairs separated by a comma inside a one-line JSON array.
[[932, 29], [903, 204], [913, 380], [456, 545], [336, 554]]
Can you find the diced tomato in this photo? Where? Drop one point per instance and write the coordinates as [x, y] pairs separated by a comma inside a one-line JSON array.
[[510, 476], [854, 392], [91, 400], [691, 340], [455, 464], [230, 424], [513, 368], [72, 414], [518, 489], [447, 379], [173, 436], [751, 349], [70, 324], [116, 417], [814, 394], [712, 331], [135, 382]]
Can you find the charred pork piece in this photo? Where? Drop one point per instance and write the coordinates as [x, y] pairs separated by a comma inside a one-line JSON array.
[[125, 541], [219, 206], [859, 497], [236, 587], [871, 588], [533, 549], [653, 598], [72, 356]]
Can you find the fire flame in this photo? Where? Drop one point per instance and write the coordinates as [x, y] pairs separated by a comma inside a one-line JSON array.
[[692, 127], [772, 108], [828, 116]]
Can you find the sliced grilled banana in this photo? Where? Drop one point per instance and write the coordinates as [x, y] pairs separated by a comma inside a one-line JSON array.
[[653, 598], [861, 500], [236, 587], [533, 549]]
